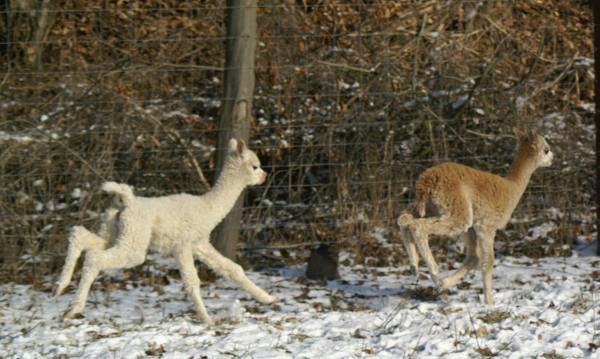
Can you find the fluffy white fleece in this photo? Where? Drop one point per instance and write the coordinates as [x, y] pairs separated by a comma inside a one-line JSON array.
[[178, 225]]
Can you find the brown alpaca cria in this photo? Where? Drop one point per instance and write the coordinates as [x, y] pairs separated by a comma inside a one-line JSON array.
[[452, 198]]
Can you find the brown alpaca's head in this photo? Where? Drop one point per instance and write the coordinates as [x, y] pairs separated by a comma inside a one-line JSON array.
[[534, 146]]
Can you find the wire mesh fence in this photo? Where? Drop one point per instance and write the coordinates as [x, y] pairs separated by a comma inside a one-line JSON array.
[[353, 100]]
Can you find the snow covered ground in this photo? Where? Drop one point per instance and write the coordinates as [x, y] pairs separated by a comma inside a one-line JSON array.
[[546, 308]]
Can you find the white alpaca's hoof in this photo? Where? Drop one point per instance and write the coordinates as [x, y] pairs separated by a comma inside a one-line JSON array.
[[207, 321], [72, 314], [270, 299], [58, 289], [444, 285], [414, 270], [490, 301]]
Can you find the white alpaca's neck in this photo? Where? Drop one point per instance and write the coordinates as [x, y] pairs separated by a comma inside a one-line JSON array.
[[225, 192]]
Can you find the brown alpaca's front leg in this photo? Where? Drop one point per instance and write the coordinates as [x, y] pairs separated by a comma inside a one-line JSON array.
[[487, 249]]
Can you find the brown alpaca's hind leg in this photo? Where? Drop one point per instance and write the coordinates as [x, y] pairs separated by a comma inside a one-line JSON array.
[[471, 261], [411, 249], [458, 218]]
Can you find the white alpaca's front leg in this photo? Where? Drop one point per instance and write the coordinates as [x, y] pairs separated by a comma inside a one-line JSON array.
[[191, 282], [231, 270]]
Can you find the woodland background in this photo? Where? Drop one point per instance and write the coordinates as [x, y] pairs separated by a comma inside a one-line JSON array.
[[353, 100]]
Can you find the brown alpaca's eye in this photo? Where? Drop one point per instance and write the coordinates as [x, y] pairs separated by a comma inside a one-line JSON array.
[[546, 151]]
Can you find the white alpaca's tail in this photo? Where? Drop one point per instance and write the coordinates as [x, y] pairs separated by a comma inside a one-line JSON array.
[[123, 191]]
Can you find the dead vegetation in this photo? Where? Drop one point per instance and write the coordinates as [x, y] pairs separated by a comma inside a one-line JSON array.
[[353, 100]]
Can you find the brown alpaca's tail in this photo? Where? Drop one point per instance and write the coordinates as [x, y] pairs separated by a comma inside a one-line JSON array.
[[418, 208], [405, 219]]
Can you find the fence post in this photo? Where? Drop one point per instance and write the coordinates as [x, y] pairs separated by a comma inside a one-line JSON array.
[[596, 11], [236, 111]]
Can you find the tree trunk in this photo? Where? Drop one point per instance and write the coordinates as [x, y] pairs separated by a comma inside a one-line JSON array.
[[596, 6], [41, 34], [7, 36], [237, 104]]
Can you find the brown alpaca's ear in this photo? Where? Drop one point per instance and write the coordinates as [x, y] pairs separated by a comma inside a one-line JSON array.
[[531, 134], [520, 134]]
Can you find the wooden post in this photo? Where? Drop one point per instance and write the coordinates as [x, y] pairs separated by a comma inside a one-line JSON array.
[[596, 6], [237, 104]]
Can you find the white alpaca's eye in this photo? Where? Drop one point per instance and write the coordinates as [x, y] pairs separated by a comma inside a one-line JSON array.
[[546, 151], [254, 168]]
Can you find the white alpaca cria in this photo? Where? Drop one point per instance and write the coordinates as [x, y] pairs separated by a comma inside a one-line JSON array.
[[179, 225]]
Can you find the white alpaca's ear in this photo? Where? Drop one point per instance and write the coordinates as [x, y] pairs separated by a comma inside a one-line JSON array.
[[241, 146], [233, 145]]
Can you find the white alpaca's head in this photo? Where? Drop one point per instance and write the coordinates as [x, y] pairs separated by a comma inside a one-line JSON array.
[[535, 146], [247, 162]]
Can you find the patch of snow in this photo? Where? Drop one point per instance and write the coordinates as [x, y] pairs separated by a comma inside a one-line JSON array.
[[343, 85], [78, 193], [587, 106], [460, 101], [548, 306], [381, 236], [541, 231], [584, 61], [4, 136], [554, 125]]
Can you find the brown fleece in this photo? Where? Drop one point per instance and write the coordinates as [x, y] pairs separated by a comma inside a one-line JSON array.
[[466, 197]]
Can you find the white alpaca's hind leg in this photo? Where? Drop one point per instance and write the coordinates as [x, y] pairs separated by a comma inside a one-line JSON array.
[[231, 270], [109, 228], [129, 251], [80, 239]]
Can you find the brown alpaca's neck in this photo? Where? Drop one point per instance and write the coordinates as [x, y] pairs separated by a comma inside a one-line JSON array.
[[521, 169]]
